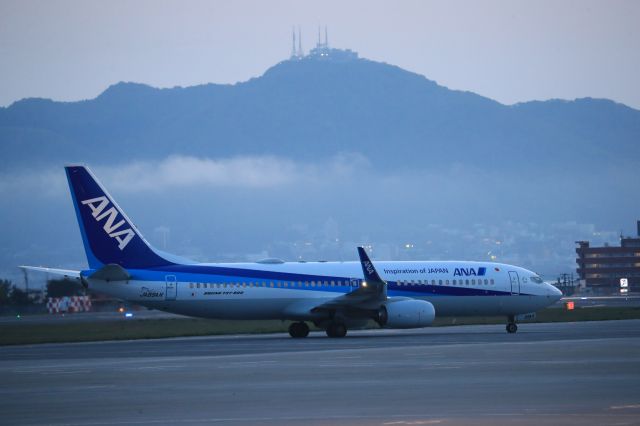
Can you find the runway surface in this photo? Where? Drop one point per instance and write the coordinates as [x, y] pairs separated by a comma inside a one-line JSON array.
[[563, 373]]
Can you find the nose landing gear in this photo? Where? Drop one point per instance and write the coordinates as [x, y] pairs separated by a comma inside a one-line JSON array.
[[511, 324]]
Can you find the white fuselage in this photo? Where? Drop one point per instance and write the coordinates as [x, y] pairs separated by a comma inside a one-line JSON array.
[[289, 290]]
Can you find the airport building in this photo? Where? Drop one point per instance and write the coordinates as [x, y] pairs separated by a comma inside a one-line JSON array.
[[610, 269]]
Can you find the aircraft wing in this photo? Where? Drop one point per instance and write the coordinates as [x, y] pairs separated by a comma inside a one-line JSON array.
[[67, 273], [369, 295]]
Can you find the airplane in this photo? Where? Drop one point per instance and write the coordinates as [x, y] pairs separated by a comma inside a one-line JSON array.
[[334, 296]]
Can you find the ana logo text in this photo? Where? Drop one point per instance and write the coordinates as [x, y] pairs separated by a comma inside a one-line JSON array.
[[98, 206], [467, 272], [369, 267]]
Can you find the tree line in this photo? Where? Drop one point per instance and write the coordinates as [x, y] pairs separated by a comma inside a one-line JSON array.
[[11, 295]]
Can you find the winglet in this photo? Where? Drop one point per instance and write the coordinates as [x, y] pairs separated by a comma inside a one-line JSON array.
[[370, 274]]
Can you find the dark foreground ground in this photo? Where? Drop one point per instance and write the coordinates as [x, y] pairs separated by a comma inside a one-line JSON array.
[[556, 373]]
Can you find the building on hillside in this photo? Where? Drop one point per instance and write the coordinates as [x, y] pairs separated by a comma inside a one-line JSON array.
[[322, 51], [610, 269]]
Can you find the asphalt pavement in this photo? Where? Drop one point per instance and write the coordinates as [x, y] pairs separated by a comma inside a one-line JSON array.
[[562, 373]]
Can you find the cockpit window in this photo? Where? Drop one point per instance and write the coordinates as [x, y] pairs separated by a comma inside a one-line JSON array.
[[536, 279]]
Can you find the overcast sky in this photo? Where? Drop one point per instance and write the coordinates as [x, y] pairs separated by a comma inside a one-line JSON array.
[[511, 51]]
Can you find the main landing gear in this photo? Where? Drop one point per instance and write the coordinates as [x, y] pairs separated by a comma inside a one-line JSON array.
[[299, 330], [336, 329], [511, 325]]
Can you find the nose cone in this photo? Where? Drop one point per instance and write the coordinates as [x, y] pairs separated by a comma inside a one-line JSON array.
[[554, 293]]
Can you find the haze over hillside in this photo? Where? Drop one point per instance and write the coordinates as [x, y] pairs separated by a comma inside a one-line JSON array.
[[315, 156]]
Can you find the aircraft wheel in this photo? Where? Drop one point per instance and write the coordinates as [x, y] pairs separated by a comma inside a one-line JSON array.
[[298, 330], [512, 327], [336, 330]]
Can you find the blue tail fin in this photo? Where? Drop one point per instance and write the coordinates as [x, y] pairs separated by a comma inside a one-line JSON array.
[[108, 235]]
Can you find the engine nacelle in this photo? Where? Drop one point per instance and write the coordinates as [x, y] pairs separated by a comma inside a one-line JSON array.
[[410, 313]]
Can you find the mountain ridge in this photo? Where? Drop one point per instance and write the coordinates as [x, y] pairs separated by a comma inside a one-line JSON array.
[[309, 109]]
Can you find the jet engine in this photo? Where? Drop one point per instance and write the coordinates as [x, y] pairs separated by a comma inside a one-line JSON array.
[[408, 313]]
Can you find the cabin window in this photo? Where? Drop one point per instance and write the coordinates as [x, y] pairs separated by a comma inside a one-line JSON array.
[[447, 282], [486, 281], [491, 281], [190, 285], [271, 285], [439, 282], [466, 282]]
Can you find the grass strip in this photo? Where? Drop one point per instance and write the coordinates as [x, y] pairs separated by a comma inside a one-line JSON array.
[[126, 329]]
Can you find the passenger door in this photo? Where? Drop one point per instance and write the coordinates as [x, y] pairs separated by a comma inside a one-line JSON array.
[[171, 289], [515, 282]]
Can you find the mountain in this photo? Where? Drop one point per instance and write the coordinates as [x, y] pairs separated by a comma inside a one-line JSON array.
[[309, 109]]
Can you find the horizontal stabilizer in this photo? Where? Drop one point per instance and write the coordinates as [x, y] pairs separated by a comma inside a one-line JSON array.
[[111, 272], [67, 273]]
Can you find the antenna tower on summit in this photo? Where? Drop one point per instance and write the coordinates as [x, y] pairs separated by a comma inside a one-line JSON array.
[[293, 43]]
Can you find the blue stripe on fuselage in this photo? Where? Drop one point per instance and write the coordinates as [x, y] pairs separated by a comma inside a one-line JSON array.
[[220, 274]]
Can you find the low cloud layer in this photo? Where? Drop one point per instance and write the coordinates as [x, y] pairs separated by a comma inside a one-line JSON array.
[[231, 208], [187, 172]]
